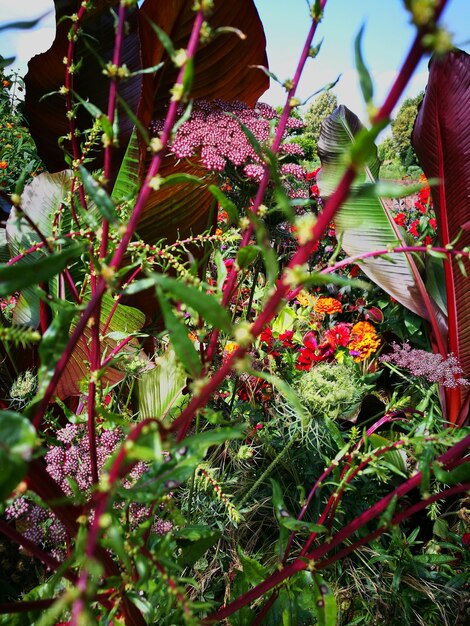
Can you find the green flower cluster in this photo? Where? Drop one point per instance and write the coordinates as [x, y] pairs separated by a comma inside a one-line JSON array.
[[331, 390]]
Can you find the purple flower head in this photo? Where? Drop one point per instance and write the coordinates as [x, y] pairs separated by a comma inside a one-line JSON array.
[[432, 367]]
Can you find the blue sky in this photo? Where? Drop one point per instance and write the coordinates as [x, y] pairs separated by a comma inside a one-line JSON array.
[[387, 37]]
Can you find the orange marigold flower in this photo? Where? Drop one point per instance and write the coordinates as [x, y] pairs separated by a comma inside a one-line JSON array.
[[327, 305], [364, 341], [3, 165]]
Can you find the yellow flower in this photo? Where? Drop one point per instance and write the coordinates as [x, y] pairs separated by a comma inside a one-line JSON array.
[[304, 298], [364, 341], [230, 347], [3, 165], [327, 305]]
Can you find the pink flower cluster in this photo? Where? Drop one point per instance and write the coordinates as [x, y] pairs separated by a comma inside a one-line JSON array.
[[73, 459], [214, 132], [70, 461], [432, 367]]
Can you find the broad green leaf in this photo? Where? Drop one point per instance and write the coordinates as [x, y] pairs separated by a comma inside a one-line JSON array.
[[193, 542], [160, 389], [41, 198], [301, 526], [268, 253], [365, 224], [394, 457], [6, 62], [164, 39], [177, 179], [460, 474], [18, 276], [127, 181], [17, 438], [254, 572], [246, 256], [278, 501], [365, 80], [388, 189], [99, 196], [4, 254], [182, 344], [318, 278], [206, 305], [325, 603], [225, 203]]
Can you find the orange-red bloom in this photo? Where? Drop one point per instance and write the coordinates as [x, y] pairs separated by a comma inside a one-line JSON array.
[[364, 341], [327, 305]]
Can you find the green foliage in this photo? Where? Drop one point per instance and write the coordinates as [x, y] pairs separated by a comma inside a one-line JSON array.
[[321, 107], [402, 127], [18, 157], [17, 437], [331, 390], [204, 433]]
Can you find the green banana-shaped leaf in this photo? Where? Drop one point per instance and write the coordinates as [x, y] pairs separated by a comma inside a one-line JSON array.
[[364, 223]]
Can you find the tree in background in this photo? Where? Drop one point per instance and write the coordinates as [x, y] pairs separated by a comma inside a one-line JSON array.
[[321, 108], [402, 128], [387, 150]]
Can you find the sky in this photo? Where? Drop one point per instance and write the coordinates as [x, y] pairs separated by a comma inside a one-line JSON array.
[[387, 37]]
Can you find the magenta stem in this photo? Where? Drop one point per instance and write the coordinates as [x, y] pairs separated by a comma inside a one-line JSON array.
[[232, 277], [115, 351], [113, 88], [118, 299], [300, 564], [131, 226], [182, 423]]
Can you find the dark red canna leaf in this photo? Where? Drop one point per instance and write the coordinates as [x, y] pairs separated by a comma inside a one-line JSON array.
[[442, 143], [46, 114], [222, 70]]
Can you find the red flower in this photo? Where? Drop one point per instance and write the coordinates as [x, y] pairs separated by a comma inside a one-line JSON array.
[[267, 336], [433, 223], [413, 229], [313, 352], [338, 335], [423, 201], [313, 174], [400, 219], [286, 339]]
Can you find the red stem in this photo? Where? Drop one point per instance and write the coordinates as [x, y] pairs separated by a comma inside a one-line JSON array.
[[231, 279], [113, 87], [367, 516], [182, 423]]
